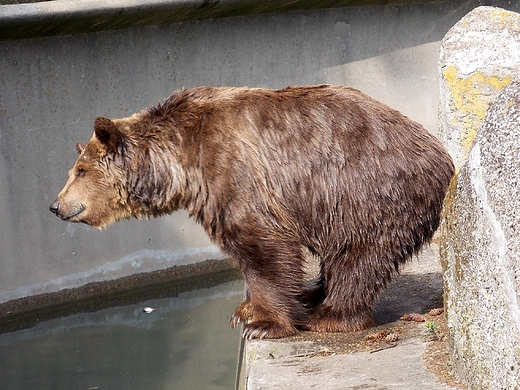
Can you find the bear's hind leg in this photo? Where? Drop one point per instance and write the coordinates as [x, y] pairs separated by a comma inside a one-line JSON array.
[[328, 319], [351, 285], [313, 293]]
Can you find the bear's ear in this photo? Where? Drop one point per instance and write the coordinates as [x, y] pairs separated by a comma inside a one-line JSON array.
[[107, 133], [80, 147]]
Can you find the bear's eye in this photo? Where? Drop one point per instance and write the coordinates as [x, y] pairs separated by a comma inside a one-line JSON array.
[[80, 172]]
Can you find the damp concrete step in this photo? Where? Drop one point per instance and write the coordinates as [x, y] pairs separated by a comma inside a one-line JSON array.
[[395, 354]]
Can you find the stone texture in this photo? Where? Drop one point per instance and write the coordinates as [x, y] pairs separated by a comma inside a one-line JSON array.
[[478, 57], [480, 252]]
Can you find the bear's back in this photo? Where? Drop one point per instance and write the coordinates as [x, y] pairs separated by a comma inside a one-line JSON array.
[[323, 161]]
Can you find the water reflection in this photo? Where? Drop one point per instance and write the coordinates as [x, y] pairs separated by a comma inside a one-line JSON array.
[[186, 343]]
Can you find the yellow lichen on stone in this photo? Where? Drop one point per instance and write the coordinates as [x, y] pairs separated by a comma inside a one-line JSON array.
[[470, 99], [503, 18]]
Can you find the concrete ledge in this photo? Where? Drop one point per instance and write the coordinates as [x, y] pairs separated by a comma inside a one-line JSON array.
[[70, 17], [348, 360], [26, 312]]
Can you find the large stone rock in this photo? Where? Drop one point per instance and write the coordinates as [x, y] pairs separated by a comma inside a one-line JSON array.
[[479, 56], [480, 251], [480, 244]]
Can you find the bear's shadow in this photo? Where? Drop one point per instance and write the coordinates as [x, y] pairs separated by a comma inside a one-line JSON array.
[[409, 293]]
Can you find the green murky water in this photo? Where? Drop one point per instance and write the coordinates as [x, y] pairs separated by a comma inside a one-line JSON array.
[[185, 343]]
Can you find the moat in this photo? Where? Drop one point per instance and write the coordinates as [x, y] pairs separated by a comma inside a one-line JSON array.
[[183, 342]]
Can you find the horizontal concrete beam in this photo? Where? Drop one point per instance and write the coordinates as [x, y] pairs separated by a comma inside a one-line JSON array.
[[52, 18]]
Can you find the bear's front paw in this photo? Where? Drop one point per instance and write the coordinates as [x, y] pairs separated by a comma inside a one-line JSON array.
[[242, 313], [266, 330]]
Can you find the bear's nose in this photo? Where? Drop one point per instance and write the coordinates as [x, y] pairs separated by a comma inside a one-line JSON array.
[[55, 207]]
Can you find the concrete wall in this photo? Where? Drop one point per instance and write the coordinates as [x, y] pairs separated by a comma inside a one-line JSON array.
[[52, 88]]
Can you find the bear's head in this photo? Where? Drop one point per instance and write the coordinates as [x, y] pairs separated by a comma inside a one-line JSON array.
[[130, 168], [94, 193]]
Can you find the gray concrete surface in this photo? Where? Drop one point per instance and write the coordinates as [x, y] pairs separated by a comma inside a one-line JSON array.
[[396, 368], [321, 361], [52, 88]]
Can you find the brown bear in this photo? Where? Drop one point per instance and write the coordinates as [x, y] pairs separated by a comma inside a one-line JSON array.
[[271, 174]]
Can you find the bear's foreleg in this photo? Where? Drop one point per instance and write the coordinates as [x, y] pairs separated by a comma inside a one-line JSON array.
[[274, 276]]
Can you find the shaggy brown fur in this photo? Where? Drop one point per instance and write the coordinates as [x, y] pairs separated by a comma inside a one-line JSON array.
[[267, 173]]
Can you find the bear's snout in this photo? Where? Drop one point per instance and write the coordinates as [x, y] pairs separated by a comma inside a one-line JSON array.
[[67, 212], [55, 207]]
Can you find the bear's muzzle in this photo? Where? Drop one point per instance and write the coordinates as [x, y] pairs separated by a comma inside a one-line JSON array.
[[57, 209]]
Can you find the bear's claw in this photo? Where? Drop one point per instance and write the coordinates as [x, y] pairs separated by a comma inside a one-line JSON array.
[[258, 328], [242, 313], [266, 330]]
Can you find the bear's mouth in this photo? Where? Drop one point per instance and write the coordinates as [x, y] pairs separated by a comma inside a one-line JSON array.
[[74, 217]]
